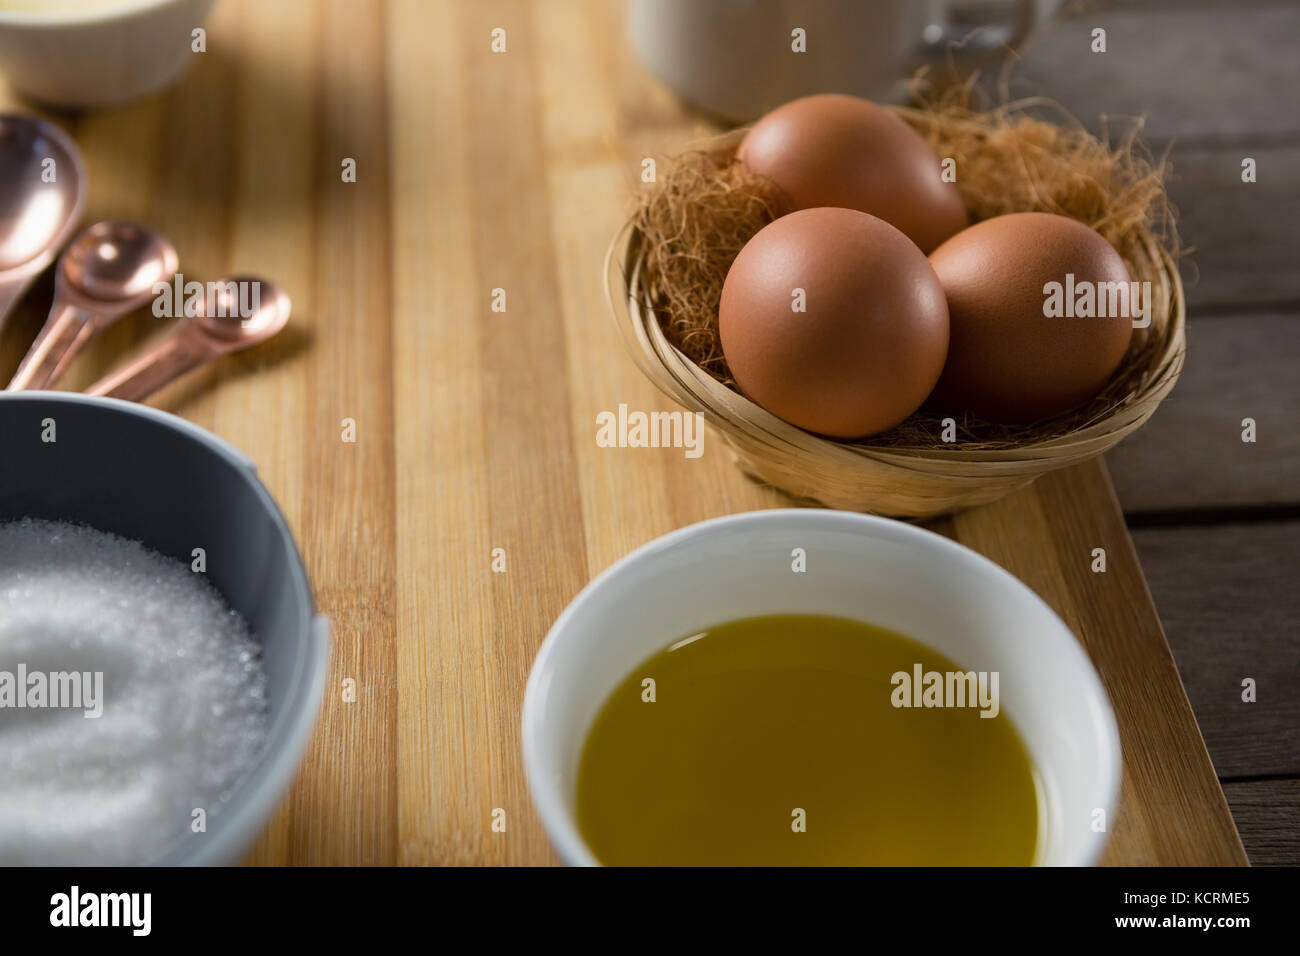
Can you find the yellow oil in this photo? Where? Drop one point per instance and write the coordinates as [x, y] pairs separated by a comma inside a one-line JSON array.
[[775, 741]]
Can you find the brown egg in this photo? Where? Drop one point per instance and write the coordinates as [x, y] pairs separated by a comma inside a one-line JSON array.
[[834, 321], [835, 150], [1021, 348]]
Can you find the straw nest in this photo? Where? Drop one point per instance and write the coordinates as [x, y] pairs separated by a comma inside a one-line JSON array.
[[666, 268]]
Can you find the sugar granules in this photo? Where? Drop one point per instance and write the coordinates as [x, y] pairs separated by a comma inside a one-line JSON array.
[[184, 707]]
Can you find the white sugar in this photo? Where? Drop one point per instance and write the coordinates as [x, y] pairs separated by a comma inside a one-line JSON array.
[[183, 698]]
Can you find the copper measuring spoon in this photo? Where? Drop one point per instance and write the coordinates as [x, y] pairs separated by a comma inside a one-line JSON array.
[[219, 331], [42, 190], [108, 271]]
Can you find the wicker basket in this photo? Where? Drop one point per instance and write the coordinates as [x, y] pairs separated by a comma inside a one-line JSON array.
[[894, 480]]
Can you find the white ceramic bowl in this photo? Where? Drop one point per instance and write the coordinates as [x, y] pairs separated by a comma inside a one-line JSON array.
[[99, 56], [870, 569]]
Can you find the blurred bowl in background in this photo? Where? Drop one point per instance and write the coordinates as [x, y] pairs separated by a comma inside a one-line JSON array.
[[88, 53]]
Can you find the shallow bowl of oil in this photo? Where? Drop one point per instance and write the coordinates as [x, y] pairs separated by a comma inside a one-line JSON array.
[[874, 570]]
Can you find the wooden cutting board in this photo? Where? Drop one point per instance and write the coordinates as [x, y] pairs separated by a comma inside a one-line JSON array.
[[475, 429]]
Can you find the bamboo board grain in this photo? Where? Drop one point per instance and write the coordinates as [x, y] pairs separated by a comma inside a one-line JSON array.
[[475, 428]]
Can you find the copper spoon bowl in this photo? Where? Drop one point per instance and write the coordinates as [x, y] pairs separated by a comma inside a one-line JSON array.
[[42, 192], [109, 270], [219, 330]]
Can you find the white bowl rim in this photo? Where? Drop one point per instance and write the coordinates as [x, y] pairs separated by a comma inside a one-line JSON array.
[[548, 802], [120, 10]]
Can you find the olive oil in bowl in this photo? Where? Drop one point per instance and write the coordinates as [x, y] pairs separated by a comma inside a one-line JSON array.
[[805, 740]]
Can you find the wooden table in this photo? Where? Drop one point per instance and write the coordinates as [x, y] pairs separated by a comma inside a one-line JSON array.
[[475, 429]]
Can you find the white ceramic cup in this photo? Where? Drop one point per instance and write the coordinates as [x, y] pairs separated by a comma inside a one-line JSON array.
[[99, 56], [736, 58], [875, 570]]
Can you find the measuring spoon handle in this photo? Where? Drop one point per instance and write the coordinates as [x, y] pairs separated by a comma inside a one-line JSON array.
[[65, 333], [141, 377]]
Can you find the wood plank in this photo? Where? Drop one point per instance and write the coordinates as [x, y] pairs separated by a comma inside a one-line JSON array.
[[1228, 598], [1174, 7], [350, 514], [1243, 238], [443, 541], [1191, 454], [1217, 72], [272, 233], [519, 382], [1267, 812]]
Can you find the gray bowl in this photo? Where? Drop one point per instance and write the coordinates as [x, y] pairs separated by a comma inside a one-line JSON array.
[[156, 478]]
